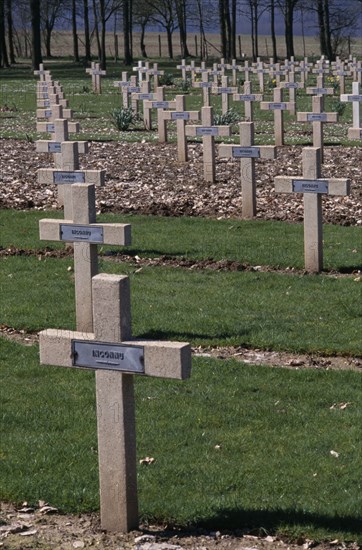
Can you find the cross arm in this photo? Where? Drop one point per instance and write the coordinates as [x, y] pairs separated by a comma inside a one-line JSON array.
[[195, 130], [51, 175], [351, 97], [319, 91], [161, 359], [112, 233], [240, 151], [48, 146], [73, 127], [317, 117], [278, 106], [159, 104], [248, 97], [335, 186], [183, 115]]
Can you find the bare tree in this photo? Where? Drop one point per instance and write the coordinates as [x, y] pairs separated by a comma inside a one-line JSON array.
[[36, 55], [10, 29], [287, 8], [50, 12], [163, 13]]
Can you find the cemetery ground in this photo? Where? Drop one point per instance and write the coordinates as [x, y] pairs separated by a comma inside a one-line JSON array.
[[242, 455]]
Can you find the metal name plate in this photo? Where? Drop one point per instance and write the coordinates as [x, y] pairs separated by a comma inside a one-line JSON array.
[[207, 131], [290, 85], [354, 98], [54, 147], [205, 84], [246, 97], [310, 186], [68, 177], [47, 114], [101, 355], [50, 128], [319, 91], [277, 106], [83, 233], [46, 103], [225, 90], [98, 73], [318, 117], [180, 115], [133, 89], [246, 152], [145, 96], [160, 104]]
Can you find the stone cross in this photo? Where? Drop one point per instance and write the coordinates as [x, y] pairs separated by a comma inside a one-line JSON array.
[[225, 91], [160, 104], [181, 116], [208, 131], [247, 70], [260, 71], [143, 95], [184, 68], [42, 73], [53, 112], [278, 106], [127, 87], [115, 357], [68, 173], [303, 69], [155, 73], [96, 73], [341, 73], [291, 86], [48, 93], [234, 68], [318, 118], [140, 68], [356, 131], [85, 234], [248, 98], [247, 152], [55, 145], [205, 85], [312, 186]]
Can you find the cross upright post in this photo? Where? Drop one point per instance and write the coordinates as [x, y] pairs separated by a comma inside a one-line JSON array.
[[247, 152], [248, 98], [205, 85], [159, 102], [181, 116], [318, 118], [278, 106], [83, 231], [312, 186], [111, 352], [225, 91], [356, 131], [208, 132]]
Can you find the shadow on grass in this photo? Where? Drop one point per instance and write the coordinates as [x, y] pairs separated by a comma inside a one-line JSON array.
[[187, 336], [261, 522]]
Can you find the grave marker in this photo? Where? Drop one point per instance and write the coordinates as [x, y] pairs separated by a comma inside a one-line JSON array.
[[160, 104], [248, 98], [278, 106], [355, 98], [85, 233], [205, 85], [312, 186], [116, 358], [96, 72], [247, 152], [181, 116], [225, 91], [208, 131], [318, 118]]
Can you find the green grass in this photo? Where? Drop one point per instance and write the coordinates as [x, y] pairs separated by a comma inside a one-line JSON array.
[[235, 446], [265, 243], [17, 92]]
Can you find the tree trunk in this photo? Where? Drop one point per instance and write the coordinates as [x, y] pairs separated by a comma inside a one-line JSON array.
[[88, 53], [329, 49], [222, 21], [289, 29], [9, 18], [4, 61], [142, 39], [74, 32], [128, 60], [181, 18], [272, 31], [322, 30], [48, 34], [169, 42], [102, 14], [233, 30], [36, 56]]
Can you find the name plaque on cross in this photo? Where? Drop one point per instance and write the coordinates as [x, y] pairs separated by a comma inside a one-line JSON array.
[[54, 147], [160, 104], [83, 233], [50, 128], [245, 97], [354, 97], [246, 152], [309, 186], [180, 115], [277, 106], [207, 131], [102, 355], [145, 96], [68, 177], [318, 117]]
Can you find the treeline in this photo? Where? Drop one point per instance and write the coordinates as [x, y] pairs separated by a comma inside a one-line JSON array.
[[26, 26]]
